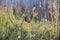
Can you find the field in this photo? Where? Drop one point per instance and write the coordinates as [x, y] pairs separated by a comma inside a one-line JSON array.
[[22, 24], [43, 30]]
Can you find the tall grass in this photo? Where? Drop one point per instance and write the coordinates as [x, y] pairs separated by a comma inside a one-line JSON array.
[[26, 31], [14, 27]]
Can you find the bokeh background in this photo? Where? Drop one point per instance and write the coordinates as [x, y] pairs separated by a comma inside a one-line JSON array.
[[44, 26]]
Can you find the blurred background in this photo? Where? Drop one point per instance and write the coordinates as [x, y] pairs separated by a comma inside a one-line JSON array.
[[29, 19]]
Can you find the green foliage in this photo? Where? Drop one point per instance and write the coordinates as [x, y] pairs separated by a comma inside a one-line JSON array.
[[42, 30]]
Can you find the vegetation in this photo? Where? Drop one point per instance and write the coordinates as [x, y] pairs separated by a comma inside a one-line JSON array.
[[27, 31], [14, 27]]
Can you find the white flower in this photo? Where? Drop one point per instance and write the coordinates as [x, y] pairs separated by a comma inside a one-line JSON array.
[[18, 36]]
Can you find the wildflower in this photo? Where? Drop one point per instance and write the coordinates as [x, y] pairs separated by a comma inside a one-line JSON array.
[[18, 36]]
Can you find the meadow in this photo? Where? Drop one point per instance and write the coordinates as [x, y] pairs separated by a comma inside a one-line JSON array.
[[16, 30], [14, 27]]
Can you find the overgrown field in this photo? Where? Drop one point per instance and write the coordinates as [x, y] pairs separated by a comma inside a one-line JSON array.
[[43, 30]]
